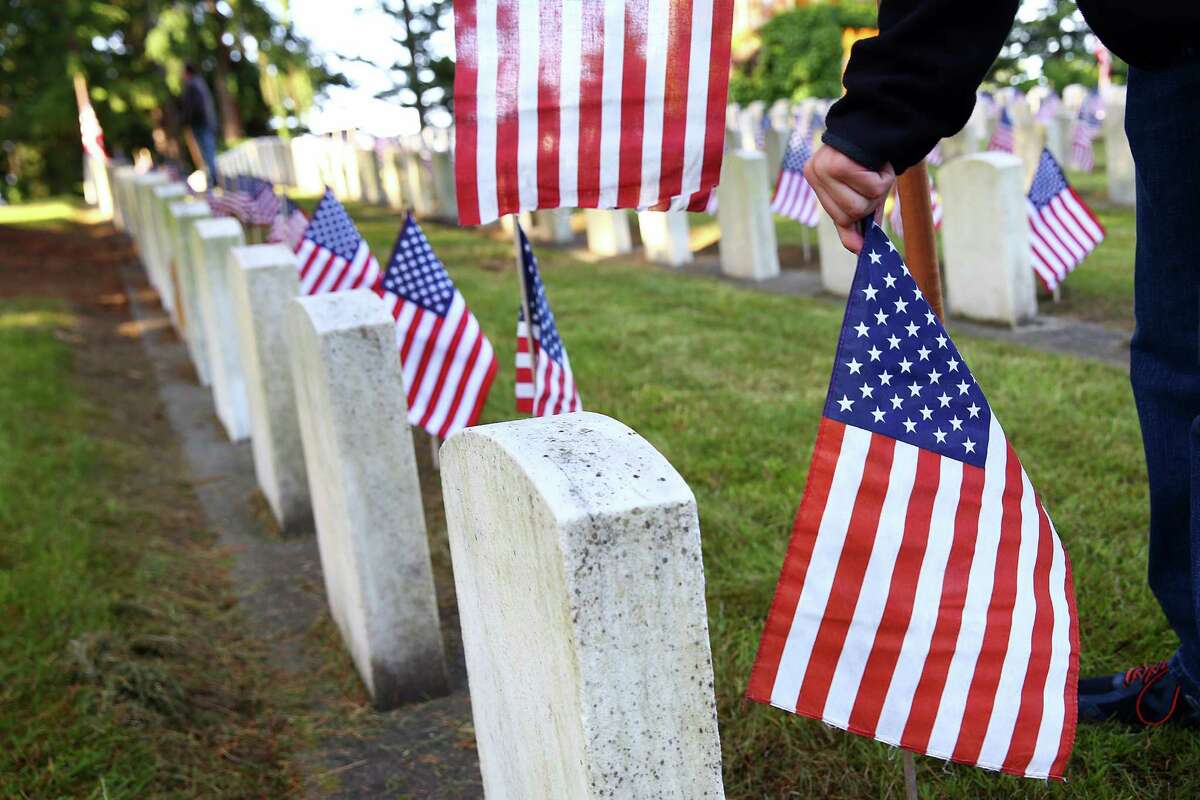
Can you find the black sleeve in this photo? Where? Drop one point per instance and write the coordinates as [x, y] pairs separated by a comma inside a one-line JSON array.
[[915, 83]]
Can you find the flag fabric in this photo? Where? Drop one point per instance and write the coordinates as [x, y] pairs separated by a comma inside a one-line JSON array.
[[91, 133], [448, 363], [794, 197], [935, 157], [1048, 108], [545, 382], [288, 226], [925, 600], [559, 103], [1002, 136], [896, 219], [1062, 229], [1084, 132], [332, 255], [264, 205]]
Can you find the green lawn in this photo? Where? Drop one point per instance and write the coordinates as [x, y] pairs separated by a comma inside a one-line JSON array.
[[728, 384]]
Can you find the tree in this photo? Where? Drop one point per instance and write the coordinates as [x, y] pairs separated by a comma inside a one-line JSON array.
[[1049, 41]]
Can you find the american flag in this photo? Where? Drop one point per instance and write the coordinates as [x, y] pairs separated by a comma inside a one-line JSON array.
[[896, 219], [794, 198], [91, 133], [264, 205], [935, 157], [925, 599], [560, 103], [448, 363], [1048, 108], [545, 382], [1002, 136], [1062, 229], [288, 226], [332, 255], [1084, 132]]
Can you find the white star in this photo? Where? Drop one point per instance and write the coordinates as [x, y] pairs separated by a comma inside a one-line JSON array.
[[911, 328], [914, 389], [889, 280], [934, 376], [901, 306], [880, 317], [845, 403], [909, 426], [963, 387], [893, 342], [861, 330], [926, 414], [874, 353], [885, 378], [917, 294], [944, 399], [854, 366], [941, 437], [969, 445], [941, 340], [952, 365], [870, 292], [877, 414], [929, 318], [874, 257], [905, 365], [956, 423], [866, 390], [891, 246], [973, 410], [896, 401], [924, 353], [904, 268]]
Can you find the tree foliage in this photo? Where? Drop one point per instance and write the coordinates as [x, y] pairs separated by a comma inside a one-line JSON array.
[[132, 54], [1050, 42]]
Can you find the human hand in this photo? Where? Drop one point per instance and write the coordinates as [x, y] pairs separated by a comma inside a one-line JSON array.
[[847, 190]]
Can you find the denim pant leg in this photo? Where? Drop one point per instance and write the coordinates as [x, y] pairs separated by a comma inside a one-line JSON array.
[[206, 140], [1162, 120]]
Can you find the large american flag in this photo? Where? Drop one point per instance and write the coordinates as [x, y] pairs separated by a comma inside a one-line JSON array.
[[794, 197], [448, 363], [614, 104], [545, 382], [1002, 136], [1084, 133], [925, 599], [332, 255], [1062, 229]]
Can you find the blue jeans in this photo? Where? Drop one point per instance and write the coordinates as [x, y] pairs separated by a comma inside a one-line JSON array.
[[1162, 117], [206, 140]]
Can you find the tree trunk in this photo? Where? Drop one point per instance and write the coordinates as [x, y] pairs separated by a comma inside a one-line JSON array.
[[231, 120], [414, 83]]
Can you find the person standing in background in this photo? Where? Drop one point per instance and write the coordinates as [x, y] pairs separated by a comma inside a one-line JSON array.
[[200, 115]]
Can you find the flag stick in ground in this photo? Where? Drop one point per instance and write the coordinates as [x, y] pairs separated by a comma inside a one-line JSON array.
[[520, 262]]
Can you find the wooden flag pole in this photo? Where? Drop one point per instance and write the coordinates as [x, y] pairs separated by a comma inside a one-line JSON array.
[[520, 259], [920, 247]]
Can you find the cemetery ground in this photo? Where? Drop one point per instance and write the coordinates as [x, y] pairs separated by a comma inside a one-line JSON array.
[[131, 670]]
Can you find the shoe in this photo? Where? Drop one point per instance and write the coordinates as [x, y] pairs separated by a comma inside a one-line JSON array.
[[1146, 697]]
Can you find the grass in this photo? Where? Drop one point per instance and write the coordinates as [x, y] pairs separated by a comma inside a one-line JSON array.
[[55, 214], [728, 384]]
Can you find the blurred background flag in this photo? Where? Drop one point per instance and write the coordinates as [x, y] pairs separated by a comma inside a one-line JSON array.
[[289, 225], [1002, 136], [794, 197], [560, 103], [1062, 229], [545, 382], [332, 254], [925, 599]]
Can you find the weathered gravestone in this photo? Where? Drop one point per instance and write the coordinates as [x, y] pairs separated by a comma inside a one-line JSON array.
[[985, 237], [161, 197], [580, 586], [212, 239], [263, 280], [184, 215], [748, 249], [837, 263], [666, 237], [140, 196], [607, 231], [366, 498], [1118, 157]]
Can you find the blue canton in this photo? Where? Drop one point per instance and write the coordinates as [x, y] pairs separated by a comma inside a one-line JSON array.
[[1048, 182], [416, 274], [897, 372], [332, 228], [798, 152], [545, 330]]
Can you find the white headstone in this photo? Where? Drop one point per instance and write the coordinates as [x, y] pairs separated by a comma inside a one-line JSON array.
[[444, 191], [160, 275], [837, 263], [1074, 97], [212, 240], [985, 238], [748, 249], [263, 280], [608, 231], [580, 583], [366, 497], [1118, 157], [416, 188], [184, 215], [368, 166], [1028, 138], [121, 177], [553, 225], [1058, 135], [142, 197], [666, 237]]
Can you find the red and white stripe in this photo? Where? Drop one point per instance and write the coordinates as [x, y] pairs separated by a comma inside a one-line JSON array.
[[544, 387], [321, 270], [447, 362], [919, 593], [288, 230], [795, 198], [896, 218], [604, 104], [524, 374], [1061, 235]]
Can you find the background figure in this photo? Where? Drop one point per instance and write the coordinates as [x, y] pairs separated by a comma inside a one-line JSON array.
[[200, 115]]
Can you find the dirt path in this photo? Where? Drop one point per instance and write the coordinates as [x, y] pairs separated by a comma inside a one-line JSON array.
[[135, 366]]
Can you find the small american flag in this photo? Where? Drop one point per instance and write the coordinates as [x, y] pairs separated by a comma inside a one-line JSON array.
[[794, 198], [1002, 137], [90, 132], [545, 382], [448, 363], [1062, 229], [896, 218], [264, 205], [574, 104], [1048, 108], [1084, 133], [925, 599], [332, 255], [288, 226]]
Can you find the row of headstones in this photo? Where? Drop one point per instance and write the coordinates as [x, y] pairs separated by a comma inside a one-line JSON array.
[[575, 544]]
